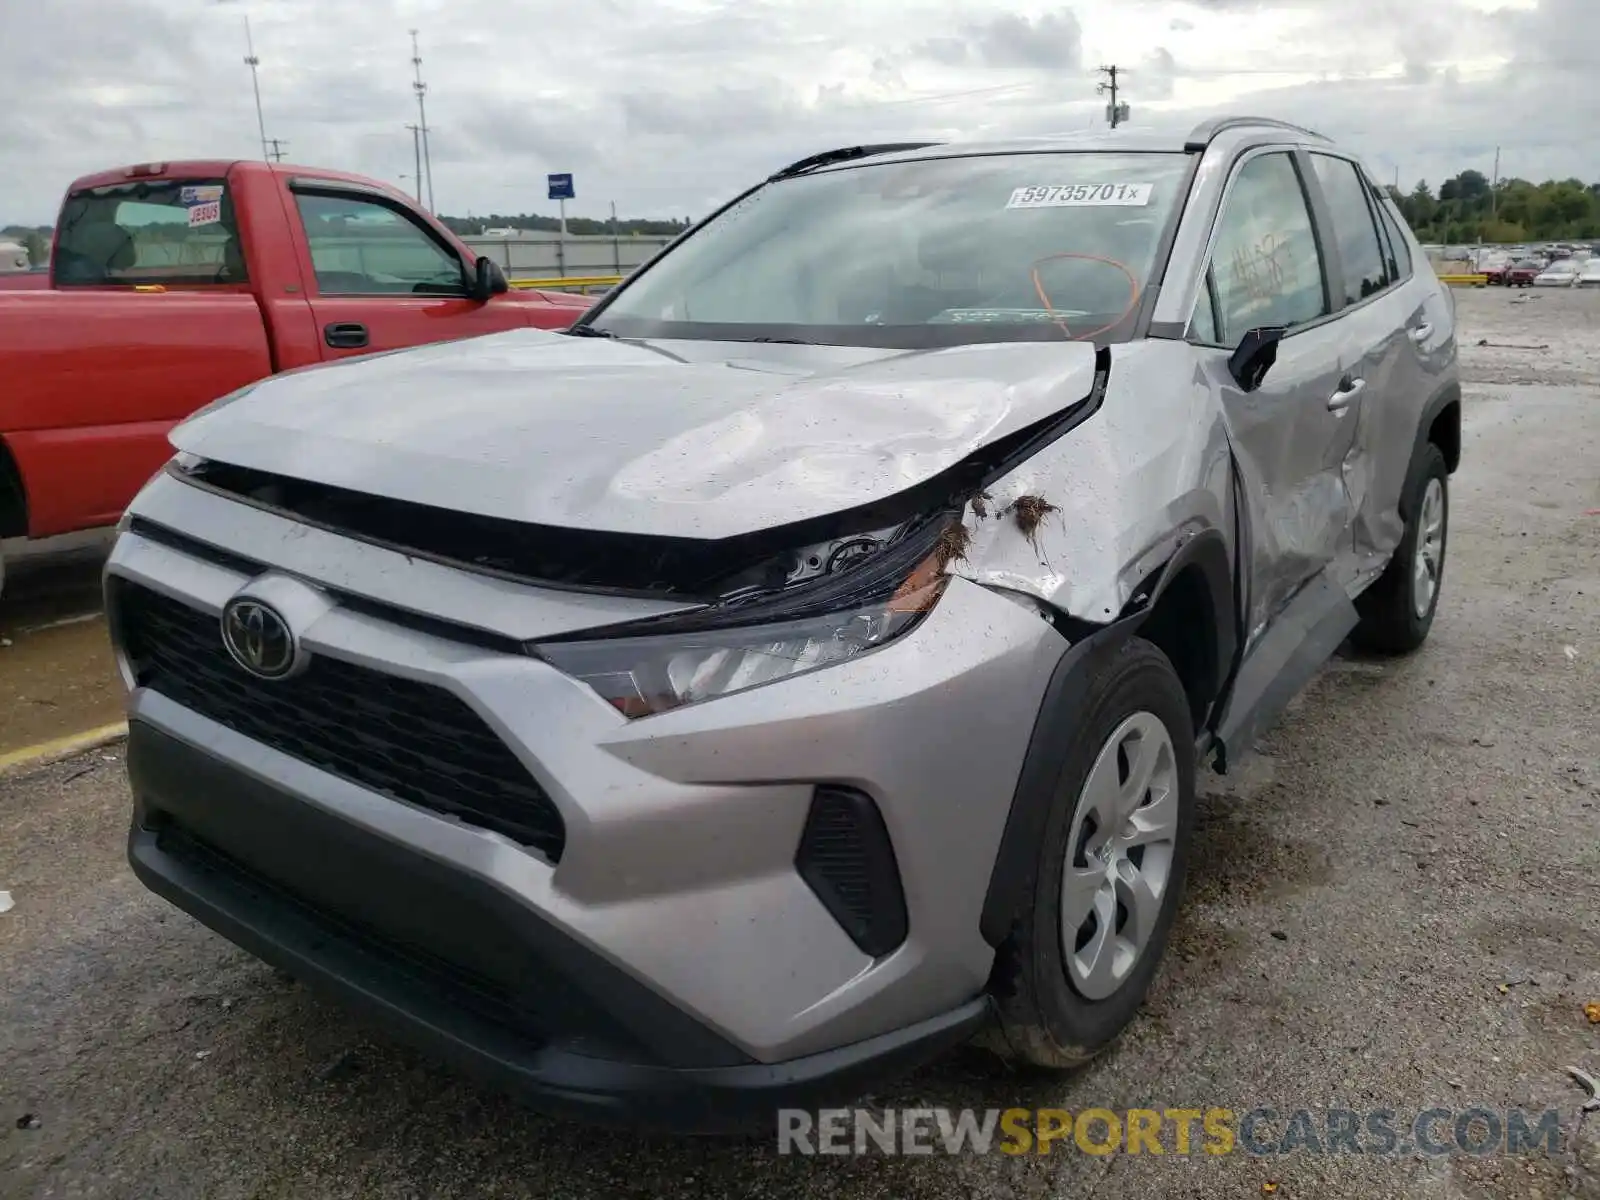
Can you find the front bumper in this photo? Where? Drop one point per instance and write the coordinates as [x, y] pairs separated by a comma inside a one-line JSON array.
[[456, 966], [678, 872]]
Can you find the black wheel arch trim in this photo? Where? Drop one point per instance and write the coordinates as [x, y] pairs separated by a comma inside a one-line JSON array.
[[1060, 712], [1443, 398], [1207, 551]]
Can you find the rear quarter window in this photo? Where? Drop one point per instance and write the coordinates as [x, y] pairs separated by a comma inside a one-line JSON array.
[[177, 232]]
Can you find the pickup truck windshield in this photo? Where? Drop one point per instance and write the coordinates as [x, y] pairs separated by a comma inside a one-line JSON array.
[[934, 252], [150, 232]]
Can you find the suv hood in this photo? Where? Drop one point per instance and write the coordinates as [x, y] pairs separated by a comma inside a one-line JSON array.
[[681, 439]]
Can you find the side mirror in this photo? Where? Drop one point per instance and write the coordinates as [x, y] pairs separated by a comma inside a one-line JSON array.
[[488, 279], [1253, 357]]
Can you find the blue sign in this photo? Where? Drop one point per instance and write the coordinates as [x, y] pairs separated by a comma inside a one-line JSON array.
[[561, 187]]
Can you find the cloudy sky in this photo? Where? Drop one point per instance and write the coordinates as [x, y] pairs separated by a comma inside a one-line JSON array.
[[666, 106]]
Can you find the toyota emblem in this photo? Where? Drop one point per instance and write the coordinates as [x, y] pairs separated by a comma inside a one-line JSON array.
[[259, 639]]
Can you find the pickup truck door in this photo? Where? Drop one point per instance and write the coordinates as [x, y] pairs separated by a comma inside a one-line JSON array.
[[382, 279]]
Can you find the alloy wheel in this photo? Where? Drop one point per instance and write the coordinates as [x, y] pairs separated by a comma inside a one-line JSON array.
[[1428, 557], [1122, 843]]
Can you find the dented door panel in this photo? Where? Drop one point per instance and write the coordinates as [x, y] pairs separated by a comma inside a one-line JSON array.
[[1424, 358], [1291, 448], [1377, 350]]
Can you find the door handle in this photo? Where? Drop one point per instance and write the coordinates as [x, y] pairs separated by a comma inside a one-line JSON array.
[[1421, 332], [345, 335], [1348, 391]]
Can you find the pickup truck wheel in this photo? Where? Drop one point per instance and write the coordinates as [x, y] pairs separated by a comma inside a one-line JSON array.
[[1081, 957], [1397, 610]]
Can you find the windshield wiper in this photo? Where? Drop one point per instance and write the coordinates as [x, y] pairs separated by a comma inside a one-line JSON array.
[[588, 331], [777, 341], [844, 154]]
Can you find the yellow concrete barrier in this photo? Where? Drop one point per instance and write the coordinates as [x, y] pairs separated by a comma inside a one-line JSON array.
[[1464, 280], [17, 761], [555, 282]]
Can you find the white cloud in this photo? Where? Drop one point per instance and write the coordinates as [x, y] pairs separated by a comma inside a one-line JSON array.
[[668, 106]]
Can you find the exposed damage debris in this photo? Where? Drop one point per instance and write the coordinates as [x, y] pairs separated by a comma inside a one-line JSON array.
[[952, 545], [1029, 513], [980, 505]]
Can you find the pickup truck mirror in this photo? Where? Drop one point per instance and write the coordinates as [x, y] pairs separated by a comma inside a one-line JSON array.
[[488, 279], [1253, 357]]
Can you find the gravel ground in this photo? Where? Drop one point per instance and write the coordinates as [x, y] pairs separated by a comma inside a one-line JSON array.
[[1397, 905]]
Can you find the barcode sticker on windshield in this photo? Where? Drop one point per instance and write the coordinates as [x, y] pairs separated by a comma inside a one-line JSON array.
[[205, 214], [1081, 195]]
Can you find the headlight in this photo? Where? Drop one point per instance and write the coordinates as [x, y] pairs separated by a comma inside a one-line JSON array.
[[726, 651]]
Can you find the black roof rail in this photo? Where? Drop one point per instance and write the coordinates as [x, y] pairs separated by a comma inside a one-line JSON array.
[[845, 154], [1200, 136]]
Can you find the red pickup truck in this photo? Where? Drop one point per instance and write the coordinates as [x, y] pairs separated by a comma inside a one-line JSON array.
[[172, 284]]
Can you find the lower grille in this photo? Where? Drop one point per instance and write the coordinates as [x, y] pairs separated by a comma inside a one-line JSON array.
[[413, 741], [488, 998]]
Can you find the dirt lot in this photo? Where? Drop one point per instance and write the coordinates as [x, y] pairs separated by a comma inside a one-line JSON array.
[[1396, 906]]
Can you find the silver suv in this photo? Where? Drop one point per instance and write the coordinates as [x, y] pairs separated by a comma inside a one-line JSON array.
[[803, 663]]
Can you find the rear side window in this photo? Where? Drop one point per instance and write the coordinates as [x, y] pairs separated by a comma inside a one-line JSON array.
[[1265, 263], [1365, 271], [363, 247], [165, 232], [1397, 239]]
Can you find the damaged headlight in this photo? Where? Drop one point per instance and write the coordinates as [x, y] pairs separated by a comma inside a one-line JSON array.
[[666, 663]]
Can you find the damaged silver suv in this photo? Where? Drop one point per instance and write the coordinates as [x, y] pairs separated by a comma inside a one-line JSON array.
[[802, 663]]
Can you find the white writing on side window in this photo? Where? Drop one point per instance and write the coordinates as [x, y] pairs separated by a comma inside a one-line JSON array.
[[1081, 195]]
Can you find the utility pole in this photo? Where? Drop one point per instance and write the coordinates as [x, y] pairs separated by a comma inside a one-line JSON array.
[[277, 149], [1116, 112], [1494, 188], [422, 119], [251, 61], [416, 150]]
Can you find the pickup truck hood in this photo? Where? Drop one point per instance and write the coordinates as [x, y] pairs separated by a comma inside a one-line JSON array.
[[681, 439]]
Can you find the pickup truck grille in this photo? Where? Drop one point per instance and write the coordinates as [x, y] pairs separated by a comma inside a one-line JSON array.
[[413, 741]]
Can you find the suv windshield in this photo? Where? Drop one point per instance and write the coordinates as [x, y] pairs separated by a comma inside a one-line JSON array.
[[933, 252]]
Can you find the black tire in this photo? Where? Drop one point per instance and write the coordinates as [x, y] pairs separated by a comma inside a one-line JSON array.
[[1390, 622], [1044, 1020]]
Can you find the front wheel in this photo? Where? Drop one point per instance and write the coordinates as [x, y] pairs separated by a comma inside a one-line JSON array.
[[1397, 610], [1083, 953]]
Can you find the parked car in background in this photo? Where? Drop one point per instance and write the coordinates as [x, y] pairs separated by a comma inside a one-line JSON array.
[[803, 663], [1561, 273], [1589, 275], [174, 283], [1521, 274]]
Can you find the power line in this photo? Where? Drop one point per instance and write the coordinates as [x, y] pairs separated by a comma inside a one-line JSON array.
[[425, 168], [1116, 113]]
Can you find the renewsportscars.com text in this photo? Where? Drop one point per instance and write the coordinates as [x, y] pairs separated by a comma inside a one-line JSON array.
[[1169, 1131]]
